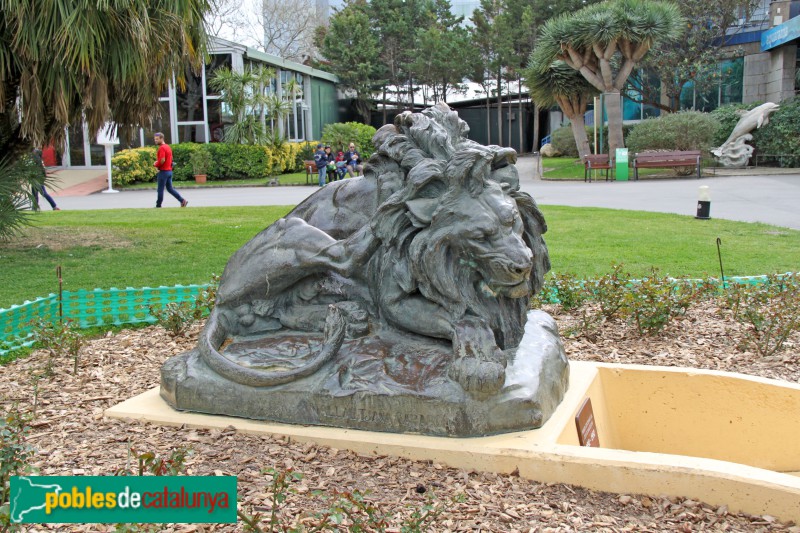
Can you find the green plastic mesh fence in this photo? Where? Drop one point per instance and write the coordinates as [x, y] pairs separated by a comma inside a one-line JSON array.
[[88, 308], [100, 307]]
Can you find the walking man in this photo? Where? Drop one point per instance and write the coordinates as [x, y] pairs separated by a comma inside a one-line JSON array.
[[164, 165], [37, 157]]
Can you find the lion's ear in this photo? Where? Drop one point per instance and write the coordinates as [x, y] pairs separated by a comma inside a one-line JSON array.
[[420, 211]]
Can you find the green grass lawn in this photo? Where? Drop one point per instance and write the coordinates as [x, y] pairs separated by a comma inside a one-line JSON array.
[[296, 178], [147, 247], [571, 168]]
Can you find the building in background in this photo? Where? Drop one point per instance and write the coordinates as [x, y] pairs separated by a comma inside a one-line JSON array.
[[197, 113]]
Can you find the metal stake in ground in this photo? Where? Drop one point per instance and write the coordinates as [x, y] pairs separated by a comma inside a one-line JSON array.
[[60, 299], [719, 254]]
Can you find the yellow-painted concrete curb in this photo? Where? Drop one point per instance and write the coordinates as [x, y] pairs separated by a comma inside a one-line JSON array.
[[722, 438]]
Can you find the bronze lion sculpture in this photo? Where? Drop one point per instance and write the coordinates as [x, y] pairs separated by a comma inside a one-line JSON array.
[[435, 246]]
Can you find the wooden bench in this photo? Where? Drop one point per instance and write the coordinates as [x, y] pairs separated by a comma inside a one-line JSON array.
[[311, 172], [666, 160], [597, 162]]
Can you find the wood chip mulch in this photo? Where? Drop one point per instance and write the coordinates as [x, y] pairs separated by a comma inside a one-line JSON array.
[[73, 438]]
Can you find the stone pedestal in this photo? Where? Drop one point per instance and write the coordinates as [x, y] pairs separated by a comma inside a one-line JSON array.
[[388, 381]]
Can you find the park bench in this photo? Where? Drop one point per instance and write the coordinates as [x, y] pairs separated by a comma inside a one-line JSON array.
[[311, 172], [596, 162], [666, 160]]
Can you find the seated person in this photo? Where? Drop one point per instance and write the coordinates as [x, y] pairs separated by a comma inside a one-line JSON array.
[[353, 158], [331, 164], [341, 166]]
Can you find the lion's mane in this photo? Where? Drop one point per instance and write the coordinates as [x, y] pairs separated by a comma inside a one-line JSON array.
[[414, 159]]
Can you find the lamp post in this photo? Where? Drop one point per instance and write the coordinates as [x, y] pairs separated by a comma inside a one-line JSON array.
[[107, 136], [703, 203]]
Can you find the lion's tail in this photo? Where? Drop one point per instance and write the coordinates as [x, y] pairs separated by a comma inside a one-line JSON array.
[[215, 333]]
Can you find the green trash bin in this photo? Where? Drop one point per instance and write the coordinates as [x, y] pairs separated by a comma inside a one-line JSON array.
[[621, 166]]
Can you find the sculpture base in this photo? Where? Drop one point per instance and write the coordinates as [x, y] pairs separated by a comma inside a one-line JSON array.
[[387, 381]]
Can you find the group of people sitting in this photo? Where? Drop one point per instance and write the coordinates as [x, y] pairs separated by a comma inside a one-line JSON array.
[[334, 167]]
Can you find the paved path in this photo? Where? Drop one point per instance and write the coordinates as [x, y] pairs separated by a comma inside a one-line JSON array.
[[773, 199]]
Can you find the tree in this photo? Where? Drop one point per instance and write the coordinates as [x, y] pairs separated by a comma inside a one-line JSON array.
[[61, 65], [284, 28], [441, 62], [244, 93], [351, 49], [494, 46], [293, 89], [671, 65], [558, 83], [288, 28], [604, 42], [395, 23]]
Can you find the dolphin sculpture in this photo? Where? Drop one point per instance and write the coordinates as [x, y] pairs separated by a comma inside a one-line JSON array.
[[734, 152]]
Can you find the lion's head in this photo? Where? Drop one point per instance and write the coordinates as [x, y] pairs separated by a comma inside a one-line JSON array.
[[459, 236]]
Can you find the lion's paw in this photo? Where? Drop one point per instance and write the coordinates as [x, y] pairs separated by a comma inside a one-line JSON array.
[[476, 377], [472, 337]]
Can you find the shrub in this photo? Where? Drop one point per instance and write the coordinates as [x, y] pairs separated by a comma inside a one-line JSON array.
[[655, 301], [338, 135], [15, 454], [207, 298], [175, 317], [769, 312], [728, 116], [564, 142], [59, 340], [569, 291], [780, 136], [687, 130], [200, 161], [181, 161], [135, 164], [305, 152], [610, 291], [228, 161]]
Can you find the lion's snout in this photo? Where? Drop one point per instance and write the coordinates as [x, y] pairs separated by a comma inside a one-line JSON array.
[[510, 271]]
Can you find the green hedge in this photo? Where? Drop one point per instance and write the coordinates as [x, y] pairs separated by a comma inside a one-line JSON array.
[[782, 135], [564, 141], [728, 116], [778, 138], [687, 130], [228, 162], [340, 134]]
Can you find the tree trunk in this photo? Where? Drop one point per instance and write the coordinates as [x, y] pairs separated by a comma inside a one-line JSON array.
[[499, 109], [613, 103], [488, 119], [294, 114], [384, 104], [579, 132], [520, 146], [535, 147]]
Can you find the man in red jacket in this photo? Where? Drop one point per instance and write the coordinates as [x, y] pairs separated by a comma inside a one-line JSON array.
[[164, 165]]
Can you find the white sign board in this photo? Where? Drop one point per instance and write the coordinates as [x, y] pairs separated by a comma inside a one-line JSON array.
[[108, 135]]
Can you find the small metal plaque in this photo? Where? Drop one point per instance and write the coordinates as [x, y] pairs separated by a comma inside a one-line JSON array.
[[587, 430]]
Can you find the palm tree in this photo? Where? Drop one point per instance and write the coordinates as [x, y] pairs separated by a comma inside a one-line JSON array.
[[605, 41], [295, 89], [277, 109], [244, 93], [557, 83], [61, 65]]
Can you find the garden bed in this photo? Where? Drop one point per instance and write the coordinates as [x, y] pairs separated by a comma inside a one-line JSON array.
[[73, 438]]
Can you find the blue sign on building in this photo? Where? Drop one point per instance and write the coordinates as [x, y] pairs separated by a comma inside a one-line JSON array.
[[781, 34]]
